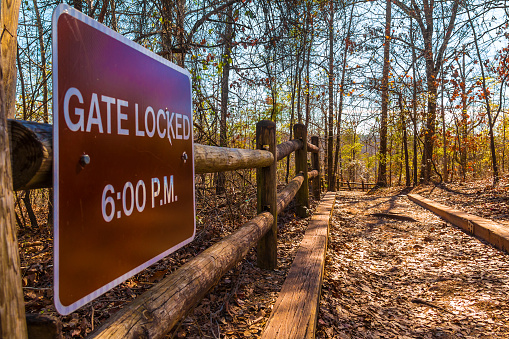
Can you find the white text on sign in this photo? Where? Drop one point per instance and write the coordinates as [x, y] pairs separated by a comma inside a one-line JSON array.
[[98, 112], [131, 196]]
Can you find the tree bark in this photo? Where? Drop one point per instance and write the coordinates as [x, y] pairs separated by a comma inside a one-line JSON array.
[[463, 127], [9, 22], [405, 140]]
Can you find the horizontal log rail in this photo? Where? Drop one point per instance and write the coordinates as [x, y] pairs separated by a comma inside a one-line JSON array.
[[286, 148], [312, 148], [32, 155], [210, 159], [155, 312]]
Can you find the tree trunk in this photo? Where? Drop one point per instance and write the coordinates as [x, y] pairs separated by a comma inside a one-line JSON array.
[[43, 64], [382, 156], [444, 136], [22, 85], [30, 211], [405, 141], [337, 155], [330, 176], [414, 104], [12, 305], [308, 61], [225, 83], [9, 22], [464, 121], [486, 95]]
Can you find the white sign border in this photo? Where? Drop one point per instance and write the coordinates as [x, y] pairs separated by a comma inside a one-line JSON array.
[[66, 9]]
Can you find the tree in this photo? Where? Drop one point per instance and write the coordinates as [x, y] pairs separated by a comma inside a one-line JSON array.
[[347, 47], [486, 97], [12, 307], [226, 62], [382, 167], [330, 136], [425, 18]]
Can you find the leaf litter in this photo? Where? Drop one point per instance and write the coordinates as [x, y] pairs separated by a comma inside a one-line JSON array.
[[389, 278]]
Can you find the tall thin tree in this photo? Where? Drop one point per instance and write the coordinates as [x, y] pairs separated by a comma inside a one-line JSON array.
[[382, 155]]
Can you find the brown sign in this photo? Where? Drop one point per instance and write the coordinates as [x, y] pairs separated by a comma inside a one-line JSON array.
[[123, 150]]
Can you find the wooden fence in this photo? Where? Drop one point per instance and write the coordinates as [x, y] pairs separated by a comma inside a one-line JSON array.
[[355, 185], [155, 312]]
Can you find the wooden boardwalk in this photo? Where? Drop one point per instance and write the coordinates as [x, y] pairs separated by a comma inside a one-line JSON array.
[[295, 312]]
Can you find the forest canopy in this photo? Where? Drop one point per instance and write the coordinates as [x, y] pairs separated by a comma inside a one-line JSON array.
[[398, 91]]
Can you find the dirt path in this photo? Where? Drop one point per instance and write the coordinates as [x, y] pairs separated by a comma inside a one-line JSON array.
[[389, 278]]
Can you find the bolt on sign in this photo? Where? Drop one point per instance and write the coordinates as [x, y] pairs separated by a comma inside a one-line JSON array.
[[123, 158]]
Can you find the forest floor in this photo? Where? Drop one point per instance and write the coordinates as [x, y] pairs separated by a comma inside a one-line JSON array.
[[389, 278], [383, 277]]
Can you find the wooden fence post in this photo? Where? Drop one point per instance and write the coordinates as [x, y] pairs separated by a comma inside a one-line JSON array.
[[12, 304], [301, 167], [266, 181], [315, 164]]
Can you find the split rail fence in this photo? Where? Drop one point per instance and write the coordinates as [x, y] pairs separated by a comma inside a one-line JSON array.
[[158, 310]]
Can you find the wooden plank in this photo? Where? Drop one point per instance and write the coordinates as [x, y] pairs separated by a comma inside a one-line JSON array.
[[295, 312], [488, 230]]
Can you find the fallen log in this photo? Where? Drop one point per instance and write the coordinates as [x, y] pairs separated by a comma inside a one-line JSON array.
[[155, 312]]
